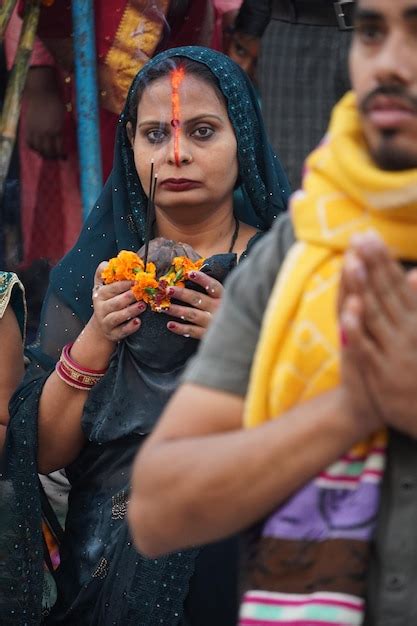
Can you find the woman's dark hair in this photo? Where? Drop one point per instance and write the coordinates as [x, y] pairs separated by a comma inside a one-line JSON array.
[[164, 69]]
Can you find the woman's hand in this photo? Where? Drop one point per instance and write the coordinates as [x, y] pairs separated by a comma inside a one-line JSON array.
[[45, 115], [116, 311], [198, 316]]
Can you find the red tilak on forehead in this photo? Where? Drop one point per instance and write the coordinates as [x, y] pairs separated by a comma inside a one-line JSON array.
[[177, 76]]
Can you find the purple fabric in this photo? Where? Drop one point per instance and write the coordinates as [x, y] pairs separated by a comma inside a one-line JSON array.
[[317, 513]]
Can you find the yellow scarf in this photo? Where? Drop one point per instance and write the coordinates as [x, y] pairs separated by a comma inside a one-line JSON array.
[[343, 193]]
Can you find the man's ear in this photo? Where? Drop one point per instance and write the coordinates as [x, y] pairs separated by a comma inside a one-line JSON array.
[[130, 133]]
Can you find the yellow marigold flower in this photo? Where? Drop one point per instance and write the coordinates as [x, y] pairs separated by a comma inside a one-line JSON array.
[[169, 278]]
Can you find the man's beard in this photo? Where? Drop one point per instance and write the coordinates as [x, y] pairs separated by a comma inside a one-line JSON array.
[[387, 155], [390, 157]]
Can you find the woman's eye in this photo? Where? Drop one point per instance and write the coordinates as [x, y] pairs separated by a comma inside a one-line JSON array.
[[155, 135], [203, 132]]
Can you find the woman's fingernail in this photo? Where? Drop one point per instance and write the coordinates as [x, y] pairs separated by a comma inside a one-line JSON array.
[[192, 274], [171, 325], [348, 320], [136, 322], [170, 291], [355, 266]]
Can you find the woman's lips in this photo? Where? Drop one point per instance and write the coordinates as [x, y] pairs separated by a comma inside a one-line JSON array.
[[179, 184]]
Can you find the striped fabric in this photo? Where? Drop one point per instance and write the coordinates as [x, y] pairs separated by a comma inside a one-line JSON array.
[[353, 468], [262, 608]]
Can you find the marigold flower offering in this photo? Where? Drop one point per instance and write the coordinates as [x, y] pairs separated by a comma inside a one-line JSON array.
[[148, 287]]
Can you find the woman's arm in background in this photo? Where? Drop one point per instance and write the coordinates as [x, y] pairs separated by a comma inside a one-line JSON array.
[[11, 365]]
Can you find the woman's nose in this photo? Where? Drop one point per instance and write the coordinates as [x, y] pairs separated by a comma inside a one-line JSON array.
[[179, 151]]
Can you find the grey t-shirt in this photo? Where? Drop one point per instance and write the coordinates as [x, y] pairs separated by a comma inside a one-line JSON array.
[[225, 355], [223, 362]]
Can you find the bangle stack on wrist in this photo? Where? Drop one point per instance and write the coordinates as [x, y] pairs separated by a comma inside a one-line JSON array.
[[73, 374]]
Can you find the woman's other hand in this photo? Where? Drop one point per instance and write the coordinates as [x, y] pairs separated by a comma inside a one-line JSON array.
[[197, 317], [116, 310], [45, 114]]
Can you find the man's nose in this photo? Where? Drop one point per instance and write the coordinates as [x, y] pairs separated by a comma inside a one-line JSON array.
[[393, 64]]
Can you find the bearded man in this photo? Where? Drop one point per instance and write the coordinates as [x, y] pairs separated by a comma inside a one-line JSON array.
[[298, 417]]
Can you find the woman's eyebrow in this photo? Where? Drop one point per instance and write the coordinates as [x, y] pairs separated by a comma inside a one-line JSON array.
[[204, 116], [201, 116], [158, 123]]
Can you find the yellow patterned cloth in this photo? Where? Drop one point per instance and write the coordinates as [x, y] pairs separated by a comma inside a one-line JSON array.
[[137, 37], [343, 193]]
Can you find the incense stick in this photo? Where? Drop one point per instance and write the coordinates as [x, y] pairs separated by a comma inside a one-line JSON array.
[[150, 214]]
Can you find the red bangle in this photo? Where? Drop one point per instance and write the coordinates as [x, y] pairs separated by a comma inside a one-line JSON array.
[[66, 354], [74, 379], [75, 376]]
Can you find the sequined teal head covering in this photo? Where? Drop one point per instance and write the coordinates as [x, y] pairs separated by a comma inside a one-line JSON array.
[[117, 221]]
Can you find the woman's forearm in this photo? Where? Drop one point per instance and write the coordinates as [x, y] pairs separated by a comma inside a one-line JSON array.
[[211, 486], [11, 365], [60, 436]]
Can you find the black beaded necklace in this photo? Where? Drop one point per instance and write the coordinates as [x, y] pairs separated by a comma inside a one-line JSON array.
[[235, 235]]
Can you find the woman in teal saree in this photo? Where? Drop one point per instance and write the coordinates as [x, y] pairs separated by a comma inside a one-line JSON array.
[[101, 578], [12, 337]]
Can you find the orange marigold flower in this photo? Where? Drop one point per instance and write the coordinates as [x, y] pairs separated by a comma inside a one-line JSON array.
[[145, 287], [186, 265], [123, 267], [129, 266], [150, 268]]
